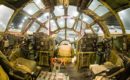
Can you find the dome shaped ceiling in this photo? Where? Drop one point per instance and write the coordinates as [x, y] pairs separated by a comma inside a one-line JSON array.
[[69, 18]]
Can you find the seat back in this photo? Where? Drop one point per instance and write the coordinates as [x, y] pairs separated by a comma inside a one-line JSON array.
[[115, 59], [3, 75], [14, 54], [5, 62]]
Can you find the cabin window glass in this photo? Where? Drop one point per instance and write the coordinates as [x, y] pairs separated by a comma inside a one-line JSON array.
[[61, 22], [88, 31], [113, 25], [71, 35], [70, 23], [61, 34], [79, 26], [44, 30], [39, 3], [72, 11], [19, 22], [51, 25], [86, 19], [31, 8], [33, 28], [114, 29], [94, 5], [101, 10], [5, 16], [97, 29], [124, 15], [98, 8], [43, 18], [59, 10]]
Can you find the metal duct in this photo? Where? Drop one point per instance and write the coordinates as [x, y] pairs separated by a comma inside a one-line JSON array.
[[64, 2], [83, 4], [49, 4]]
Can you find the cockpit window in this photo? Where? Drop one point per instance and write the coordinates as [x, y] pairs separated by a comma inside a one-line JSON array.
[[31, 8], [5, 16]]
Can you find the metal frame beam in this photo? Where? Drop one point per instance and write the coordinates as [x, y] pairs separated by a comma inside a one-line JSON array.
[[55, 20], [33, 17], [92, 14], [99, 20], [115, 14]]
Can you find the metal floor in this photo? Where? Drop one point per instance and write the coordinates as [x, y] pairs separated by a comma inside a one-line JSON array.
[[73, 73], [71, 70]]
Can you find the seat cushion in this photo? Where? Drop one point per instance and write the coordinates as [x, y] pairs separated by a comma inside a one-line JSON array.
[[25, 64], [95, 68]]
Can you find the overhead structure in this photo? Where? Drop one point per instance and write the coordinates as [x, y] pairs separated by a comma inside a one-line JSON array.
[[55, 15], [64, 2], [79, 35], [83, 4]]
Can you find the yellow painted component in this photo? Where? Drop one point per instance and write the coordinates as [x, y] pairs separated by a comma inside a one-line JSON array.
[[65, 50], [3, 75], [115, 59]]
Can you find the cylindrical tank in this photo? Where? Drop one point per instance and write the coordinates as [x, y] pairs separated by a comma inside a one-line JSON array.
[[65, 51]]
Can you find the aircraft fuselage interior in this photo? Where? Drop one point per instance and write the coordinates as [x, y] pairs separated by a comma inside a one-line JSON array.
[[64, 40]]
